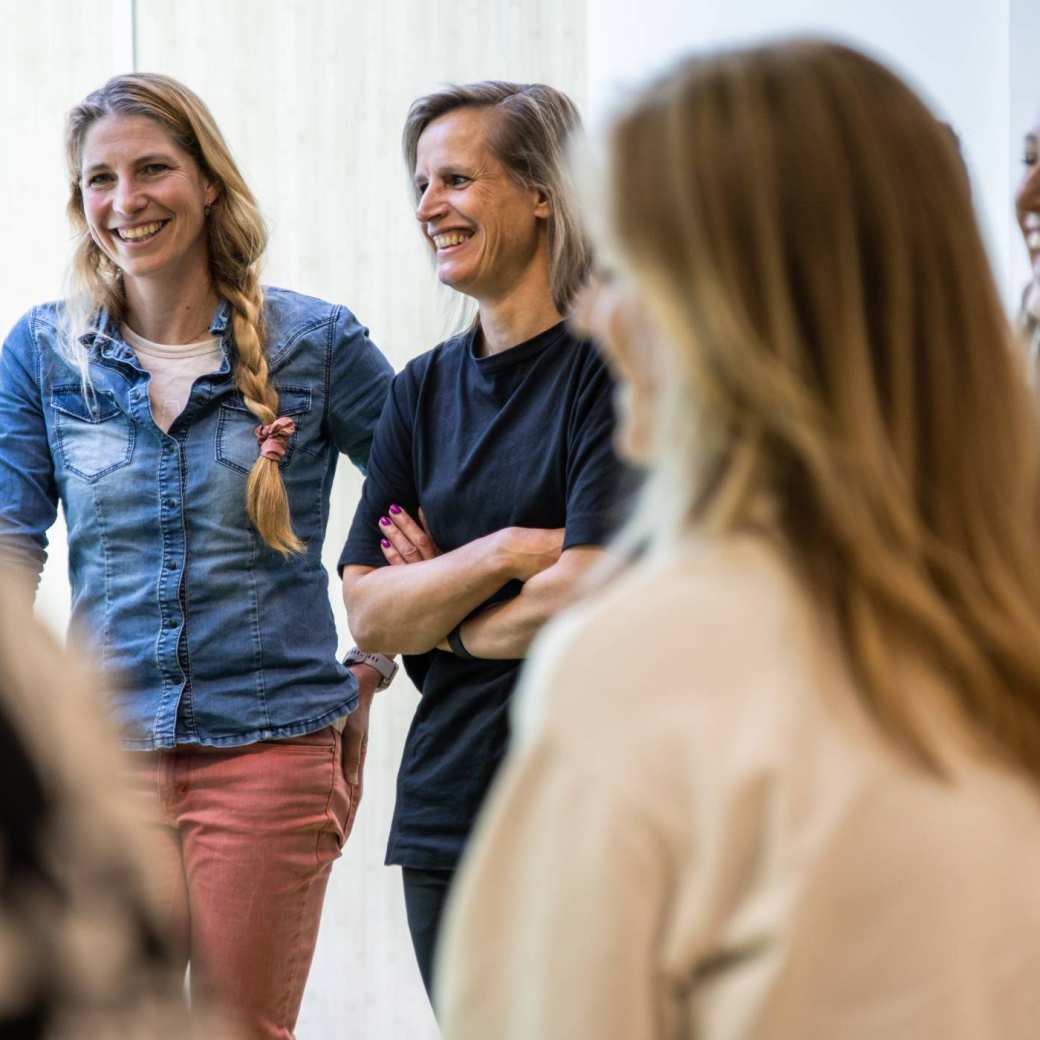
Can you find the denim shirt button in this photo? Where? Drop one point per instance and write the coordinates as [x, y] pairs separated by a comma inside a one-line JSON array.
[[171, 503], [172, 623]]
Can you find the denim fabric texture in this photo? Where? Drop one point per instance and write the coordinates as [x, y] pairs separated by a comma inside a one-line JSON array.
[[207, 635]]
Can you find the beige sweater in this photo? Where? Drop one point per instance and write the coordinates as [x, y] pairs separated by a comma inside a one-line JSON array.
[[699, 835]]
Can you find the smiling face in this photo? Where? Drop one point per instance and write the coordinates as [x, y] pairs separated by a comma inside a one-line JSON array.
[[1027, 197], [144, 198], [487, 231]]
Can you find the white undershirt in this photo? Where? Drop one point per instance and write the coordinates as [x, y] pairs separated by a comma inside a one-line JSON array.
[[173, 368]]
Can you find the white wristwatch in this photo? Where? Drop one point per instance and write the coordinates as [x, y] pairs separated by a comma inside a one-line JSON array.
[[386, 666]]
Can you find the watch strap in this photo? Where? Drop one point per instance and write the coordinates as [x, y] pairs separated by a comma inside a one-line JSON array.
[[458, 648], [386, 666]]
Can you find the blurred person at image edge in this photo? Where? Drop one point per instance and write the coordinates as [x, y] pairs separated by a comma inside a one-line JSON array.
[[84, 950]]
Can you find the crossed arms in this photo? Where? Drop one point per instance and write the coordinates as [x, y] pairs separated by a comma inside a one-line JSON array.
[[412, 605]]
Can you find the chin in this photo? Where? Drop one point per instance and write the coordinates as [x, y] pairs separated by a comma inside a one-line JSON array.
[[455, 277]]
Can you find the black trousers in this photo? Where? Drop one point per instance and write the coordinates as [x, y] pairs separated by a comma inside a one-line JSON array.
[[425, 893]]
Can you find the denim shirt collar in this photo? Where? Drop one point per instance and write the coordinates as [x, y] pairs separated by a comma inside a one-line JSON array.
[[104, 335]]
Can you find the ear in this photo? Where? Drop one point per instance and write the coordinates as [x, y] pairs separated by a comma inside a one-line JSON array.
[[210, 192], [542, 205]]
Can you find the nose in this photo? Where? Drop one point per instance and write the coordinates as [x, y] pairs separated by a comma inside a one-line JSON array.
[[128, 198], [431, 205]]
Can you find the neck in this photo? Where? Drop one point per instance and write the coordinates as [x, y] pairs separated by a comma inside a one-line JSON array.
[[522, 313], [170, 313]]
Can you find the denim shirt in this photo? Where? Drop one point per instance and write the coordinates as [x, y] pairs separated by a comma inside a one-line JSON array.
[[207, 635]]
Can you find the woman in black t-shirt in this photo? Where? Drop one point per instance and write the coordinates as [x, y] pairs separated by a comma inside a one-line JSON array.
[[492, 473]]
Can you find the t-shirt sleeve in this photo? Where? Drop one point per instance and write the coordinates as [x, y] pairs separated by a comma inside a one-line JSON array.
[[390, 477], [595, 476]]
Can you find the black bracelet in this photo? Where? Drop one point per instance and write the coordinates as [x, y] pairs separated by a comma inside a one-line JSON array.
[[458, 648]]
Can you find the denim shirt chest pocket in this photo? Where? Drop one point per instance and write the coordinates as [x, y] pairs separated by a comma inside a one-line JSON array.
[[95, 436], [236, 443]]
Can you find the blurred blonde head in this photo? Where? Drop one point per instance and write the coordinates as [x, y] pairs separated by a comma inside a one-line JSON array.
[[236, 240], [836, 359]]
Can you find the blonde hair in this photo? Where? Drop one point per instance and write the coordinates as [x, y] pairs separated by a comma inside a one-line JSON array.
[[236, 239], [800, 228], [529, 137]]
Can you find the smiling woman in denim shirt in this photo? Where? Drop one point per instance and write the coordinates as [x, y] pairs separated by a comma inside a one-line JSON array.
[[189, 422]]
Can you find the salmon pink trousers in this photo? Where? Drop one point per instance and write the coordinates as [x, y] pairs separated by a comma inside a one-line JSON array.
[[245, 839]]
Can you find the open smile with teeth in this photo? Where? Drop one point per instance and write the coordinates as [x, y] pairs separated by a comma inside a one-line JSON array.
[[142, 232], [451, 238]]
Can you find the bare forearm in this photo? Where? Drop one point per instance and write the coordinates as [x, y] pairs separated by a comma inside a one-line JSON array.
[[410, 609], [506, 630]]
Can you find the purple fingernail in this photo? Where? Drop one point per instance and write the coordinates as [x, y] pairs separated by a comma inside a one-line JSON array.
[[385, 543], [395, 509], [385, 521]]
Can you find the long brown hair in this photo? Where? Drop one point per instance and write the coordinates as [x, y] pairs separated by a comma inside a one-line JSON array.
[[236, 238], [800, 227]]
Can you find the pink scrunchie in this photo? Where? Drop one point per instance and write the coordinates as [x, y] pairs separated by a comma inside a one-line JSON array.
[[273, 437]]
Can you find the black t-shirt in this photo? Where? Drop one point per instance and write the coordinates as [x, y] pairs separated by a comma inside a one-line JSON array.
[[521, 438]]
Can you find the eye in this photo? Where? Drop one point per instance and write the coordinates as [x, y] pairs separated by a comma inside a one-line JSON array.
[[97, 179], [154, 168], [456, 180], [421, 186]]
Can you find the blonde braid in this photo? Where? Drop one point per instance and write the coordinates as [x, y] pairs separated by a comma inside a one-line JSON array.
[[267, 504]]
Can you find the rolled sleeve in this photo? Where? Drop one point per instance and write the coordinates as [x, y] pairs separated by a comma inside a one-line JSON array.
[[389, 479], [28, 491]]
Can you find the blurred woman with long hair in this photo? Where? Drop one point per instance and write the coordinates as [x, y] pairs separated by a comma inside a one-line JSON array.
[[781, 778]]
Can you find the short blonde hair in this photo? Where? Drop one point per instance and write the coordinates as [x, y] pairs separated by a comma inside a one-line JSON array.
[[529, 137]]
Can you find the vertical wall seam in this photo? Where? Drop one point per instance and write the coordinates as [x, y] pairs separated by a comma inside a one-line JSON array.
[[133, 31], [124, 36]]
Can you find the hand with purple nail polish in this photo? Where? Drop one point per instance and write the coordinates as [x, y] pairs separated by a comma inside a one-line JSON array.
[[405, 541]]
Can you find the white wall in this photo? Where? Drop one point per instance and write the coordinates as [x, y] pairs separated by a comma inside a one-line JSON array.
[[956, 52], [93, 41]]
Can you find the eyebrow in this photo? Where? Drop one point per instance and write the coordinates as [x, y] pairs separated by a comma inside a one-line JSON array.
[[448, 170], [143, 160]]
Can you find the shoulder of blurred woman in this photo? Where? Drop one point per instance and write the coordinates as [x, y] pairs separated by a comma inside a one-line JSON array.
[[683, 654]]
